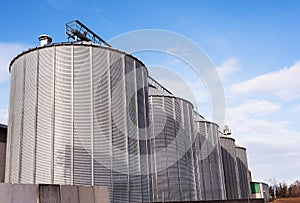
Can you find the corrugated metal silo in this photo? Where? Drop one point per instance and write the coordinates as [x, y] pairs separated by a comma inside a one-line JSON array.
[[208, 161], [171, 137], [242, 163], [77, 110], [230, 167]]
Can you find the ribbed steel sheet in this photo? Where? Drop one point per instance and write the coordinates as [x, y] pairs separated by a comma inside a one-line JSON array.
[[78, 115], [209, 167], [242, 163], [171, 149], [231, 173]]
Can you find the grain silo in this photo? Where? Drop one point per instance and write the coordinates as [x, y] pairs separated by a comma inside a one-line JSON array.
[[83, 113], [242, 163], [230, 167], [208, 160], [77, 111], [171, 136]]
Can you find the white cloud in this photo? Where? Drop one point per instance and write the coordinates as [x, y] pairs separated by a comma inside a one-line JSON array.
[[255, 107], [3, 116], [283, 83], [270, 144], [229, 67], [250, 122], [8, 52]]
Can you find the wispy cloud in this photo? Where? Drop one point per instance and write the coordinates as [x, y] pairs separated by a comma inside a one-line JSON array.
[[228, 68], [283, 83], [255, 107], [8, 51], [270, 142]]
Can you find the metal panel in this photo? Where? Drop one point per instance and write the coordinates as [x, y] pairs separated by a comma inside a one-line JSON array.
[[18, 115], [10, 128], [102, 127], [29, 119], [82, 116], [241, 158], [171, 142], [44, 113], [173, 178], [133, 138], [139, 77], [119, 161], [230, 168], [209, 168], [63, 113]]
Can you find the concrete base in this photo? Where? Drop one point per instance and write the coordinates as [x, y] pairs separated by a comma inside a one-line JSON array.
[[25, 193], [101, 194], [223, 201], [5, 192], [44, 193], [69, 194], [86, 194]]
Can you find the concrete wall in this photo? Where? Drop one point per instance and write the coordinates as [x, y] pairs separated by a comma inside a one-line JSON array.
[[225, 201], [44, 193]]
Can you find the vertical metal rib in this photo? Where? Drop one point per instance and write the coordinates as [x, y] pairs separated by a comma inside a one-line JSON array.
[[110, 127], [53, 116], [92, 111], [22, 120], [72, 114], [36, 115], [126, 123], [136, 118]]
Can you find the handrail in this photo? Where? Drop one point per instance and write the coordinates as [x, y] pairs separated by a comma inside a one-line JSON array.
[[78, 31]]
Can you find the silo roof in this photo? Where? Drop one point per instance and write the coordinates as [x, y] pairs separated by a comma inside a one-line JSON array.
[[76, 43], [156, 92]]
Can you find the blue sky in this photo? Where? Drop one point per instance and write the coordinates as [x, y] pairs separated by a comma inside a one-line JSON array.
[[255, 46]]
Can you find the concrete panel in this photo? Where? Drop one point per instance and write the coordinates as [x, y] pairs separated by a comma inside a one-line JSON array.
[[86, 194], [24, 193], [69, 194], [2, 160], [101, 194], [5, 192], [49, 193]]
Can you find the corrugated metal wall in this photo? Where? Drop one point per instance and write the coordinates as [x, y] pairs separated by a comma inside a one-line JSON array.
[[76, 112], [171, 149], [209, 162], [231, 173], [242, 163]]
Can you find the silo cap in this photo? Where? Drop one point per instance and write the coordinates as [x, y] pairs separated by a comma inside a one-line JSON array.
[[45, 39]]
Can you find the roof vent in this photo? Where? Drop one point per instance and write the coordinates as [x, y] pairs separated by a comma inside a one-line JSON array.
[[226, 130], [45, 40]]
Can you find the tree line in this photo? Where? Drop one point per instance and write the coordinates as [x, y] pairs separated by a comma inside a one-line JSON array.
[[282, 190]]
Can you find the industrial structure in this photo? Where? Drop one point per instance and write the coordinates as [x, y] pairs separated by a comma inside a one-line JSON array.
[[171, 136], [84, 113], [242, 163], [208, 160], [260, 190], [231, 174], [72, 107], [3, 137]]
